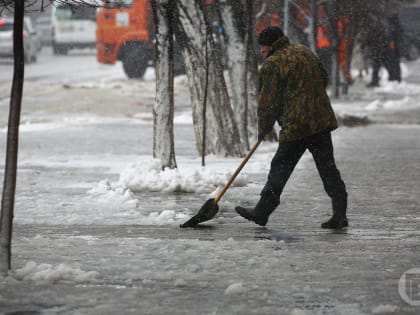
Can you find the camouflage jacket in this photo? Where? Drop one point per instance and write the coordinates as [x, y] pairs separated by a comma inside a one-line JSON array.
[[292, 91]]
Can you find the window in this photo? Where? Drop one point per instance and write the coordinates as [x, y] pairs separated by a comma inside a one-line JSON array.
[[72, 12]]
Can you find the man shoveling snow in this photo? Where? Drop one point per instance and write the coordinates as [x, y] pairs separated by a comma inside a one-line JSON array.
[[292, 91]]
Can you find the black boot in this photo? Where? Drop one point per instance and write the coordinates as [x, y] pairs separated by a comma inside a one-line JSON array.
[[262, 210], [339, 218]]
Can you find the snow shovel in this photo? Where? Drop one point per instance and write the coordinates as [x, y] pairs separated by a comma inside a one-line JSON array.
[[210, 207]]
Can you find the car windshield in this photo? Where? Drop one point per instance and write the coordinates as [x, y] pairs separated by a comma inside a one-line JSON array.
[[5, 26], [67, 12]]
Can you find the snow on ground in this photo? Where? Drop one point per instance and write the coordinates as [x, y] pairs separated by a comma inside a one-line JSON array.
[[388, 97], [406, 103], [127, 178], [88, 189], [150, 177], [190, 177]]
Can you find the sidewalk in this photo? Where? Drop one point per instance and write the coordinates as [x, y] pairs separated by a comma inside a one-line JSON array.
[[290, 265], [71, 255]]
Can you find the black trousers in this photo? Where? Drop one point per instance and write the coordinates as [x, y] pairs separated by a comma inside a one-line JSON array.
[[288, 155]]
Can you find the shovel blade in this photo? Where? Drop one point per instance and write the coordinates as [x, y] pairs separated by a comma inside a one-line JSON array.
[[207, 212]]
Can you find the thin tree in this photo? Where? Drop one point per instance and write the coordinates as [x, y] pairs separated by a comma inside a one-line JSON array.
[[9, 185], [163, 111], [10, 174]]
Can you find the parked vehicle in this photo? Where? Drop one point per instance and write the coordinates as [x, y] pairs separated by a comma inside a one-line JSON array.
[[31, 41], [125, 32], [73, 26], [410, 23], [44, 28]]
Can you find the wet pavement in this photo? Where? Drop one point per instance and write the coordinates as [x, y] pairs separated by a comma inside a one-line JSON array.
[[289, 265]]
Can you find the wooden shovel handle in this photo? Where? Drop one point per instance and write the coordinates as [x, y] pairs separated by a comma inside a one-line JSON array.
[[232, 178]]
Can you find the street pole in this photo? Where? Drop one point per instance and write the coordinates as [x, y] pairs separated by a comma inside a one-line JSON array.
[[286, 17], [313, 25]]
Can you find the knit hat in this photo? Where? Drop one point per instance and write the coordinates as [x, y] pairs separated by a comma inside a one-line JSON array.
[[269, 35]]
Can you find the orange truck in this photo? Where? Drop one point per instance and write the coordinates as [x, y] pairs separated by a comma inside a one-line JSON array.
[[125, 32]]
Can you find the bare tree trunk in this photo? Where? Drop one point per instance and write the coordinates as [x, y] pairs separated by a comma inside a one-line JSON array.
[[222, 135], [9, 186], [236, 37], [163, 111]]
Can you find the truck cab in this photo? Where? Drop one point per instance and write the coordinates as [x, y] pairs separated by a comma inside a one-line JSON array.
[[125, 32]]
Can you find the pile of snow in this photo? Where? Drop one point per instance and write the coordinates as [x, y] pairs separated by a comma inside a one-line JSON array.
[[122, 198], [106, 192], [48, 274], [149, 176]]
